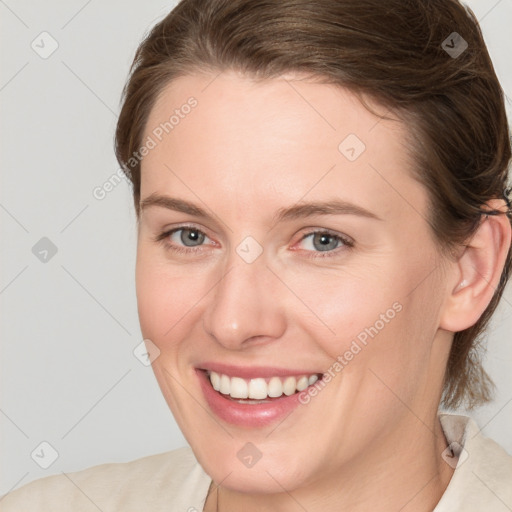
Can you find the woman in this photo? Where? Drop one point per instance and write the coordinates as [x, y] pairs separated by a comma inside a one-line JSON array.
[[323, 236]]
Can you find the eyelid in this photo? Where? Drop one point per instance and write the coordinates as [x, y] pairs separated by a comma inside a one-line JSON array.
[[347, 242], [162, 238], [313, 230], [165, 232]]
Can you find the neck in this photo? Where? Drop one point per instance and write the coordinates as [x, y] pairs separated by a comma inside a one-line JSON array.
[[401, 471]]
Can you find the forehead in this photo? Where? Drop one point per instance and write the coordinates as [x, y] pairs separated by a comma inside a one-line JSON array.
[[283, 139]]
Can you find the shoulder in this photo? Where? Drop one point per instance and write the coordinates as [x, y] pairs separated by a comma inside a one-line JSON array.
[[149, 483], [483, 469]]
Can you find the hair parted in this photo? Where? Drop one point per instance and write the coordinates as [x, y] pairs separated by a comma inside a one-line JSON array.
[[389, 51]]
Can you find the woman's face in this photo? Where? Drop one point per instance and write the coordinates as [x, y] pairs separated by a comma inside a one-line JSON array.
[[299, 248]]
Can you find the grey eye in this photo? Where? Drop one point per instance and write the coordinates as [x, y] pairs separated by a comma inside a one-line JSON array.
[[325, 241], [191, 237]]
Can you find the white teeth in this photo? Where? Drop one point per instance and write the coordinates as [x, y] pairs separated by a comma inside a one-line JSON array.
[[238, 388], [225, 385], [215, 380], [275, 387], [289, 386], [259, 388], [302, 383]]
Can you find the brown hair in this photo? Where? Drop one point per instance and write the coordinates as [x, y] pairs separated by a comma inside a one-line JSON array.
[[405, 55]]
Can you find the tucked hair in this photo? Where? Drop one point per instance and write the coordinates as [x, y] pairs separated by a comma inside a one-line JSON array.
[[396, 52]]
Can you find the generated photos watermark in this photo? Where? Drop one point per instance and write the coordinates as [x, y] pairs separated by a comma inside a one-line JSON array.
[[356, 346]]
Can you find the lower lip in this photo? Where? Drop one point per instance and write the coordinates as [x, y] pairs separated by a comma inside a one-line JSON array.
[[246, 415]]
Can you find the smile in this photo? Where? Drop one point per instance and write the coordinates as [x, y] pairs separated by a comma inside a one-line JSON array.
[[253, 397], [260, 388]]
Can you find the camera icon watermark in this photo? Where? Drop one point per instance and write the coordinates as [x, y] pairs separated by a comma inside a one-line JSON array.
[[352, 147], [455, 455], [44, 455], [249, 249], [44, 250], [146, 352], [249, 455], [44, 45], [454, 45]]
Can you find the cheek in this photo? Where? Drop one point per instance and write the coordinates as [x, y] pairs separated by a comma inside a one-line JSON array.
[[168, 298], [161, 301], [371, 317], [345, 305]]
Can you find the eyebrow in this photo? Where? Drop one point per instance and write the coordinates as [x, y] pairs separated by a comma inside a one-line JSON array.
[[298, 211]]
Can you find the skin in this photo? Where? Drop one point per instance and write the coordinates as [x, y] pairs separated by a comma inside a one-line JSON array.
[[370, 440]]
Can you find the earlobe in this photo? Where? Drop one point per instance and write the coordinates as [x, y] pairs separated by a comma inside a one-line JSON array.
[[478, 271]]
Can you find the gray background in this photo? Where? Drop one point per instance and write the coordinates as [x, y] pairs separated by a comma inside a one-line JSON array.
[[69, 324]]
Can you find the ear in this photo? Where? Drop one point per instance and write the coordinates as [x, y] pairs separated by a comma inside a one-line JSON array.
[[477, 271]]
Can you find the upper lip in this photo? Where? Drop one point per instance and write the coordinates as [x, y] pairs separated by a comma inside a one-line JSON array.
[[252, 372]]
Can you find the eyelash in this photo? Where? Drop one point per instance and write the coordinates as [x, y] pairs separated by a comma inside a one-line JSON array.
[[347, 243]]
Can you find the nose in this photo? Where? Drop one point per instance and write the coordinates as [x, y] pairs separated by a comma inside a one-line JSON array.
[[244, 308]]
